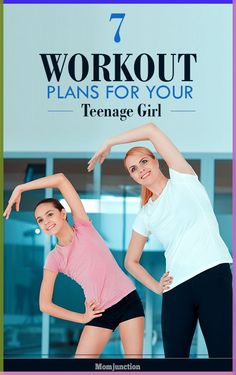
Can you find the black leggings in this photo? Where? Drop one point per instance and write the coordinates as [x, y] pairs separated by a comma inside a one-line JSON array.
[[206, 297]]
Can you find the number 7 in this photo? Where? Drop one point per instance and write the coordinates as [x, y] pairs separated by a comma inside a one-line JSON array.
[[120, 16]]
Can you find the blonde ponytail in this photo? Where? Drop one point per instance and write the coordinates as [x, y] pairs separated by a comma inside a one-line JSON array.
[[146, 194]]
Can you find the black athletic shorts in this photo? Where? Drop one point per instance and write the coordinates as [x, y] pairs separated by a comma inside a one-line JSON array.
[[128, 308]]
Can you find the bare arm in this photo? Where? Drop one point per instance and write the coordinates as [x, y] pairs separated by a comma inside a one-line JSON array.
[[132, 265], [56, 181], [160, 141], [47, 306]]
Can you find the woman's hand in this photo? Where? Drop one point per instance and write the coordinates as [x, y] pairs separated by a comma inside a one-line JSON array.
[[14, 199], [99, 156], [91, 312], [164, 283]]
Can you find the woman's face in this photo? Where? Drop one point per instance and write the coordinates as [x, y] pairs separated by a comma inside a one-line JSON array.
[[49, 218], [143, 168]]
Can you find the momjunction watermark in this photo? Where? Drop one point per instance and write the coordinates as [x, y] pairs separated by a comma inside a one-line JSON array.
[[116, 367]]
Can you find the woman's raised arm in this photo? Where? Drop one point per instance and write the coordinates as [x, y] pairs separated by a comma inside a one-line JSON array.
[[148, 132], [56, 181]]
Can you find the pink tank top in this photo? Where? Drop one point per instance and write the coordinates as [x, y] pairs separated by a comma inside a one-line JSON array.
[[89, 262]]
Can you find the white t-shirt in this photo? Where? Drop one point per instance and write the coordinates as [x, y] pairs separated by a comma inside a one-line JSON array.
[[183, 220]]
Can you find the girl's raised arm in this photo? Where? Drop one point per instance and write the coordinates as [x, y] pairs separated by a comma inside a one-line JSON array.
[[56, 181], [148, 132]]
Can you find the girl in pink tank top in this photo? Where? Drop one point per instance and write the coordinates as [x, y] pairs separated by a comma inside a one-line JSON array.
[[110, 297]]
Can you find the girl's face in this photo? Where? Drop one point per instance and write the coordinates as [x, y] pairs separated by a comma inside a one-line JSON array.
[[143, 168], [49, 218]]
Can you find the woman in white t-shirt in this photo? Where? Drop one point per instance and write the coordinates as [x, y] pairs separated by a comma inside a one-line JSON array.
[[179, 213]]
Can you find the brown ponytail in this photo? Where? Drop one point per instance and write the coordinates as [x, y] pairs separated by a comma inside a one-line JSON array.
[[145, 192]]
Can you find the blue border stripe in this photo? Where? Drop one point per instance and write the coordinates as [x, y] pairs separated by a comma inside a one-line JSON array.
[[118, 2]]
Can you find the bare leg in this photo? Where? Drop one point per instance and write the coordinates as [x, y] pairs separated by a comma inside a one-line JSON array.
[[92, 342], [131, 334]]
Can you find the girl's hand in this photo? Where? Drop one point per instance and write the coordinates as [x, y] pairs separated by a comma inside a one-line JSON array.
[[91, 312], [14, 199], [164, 283], [100, 156]]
